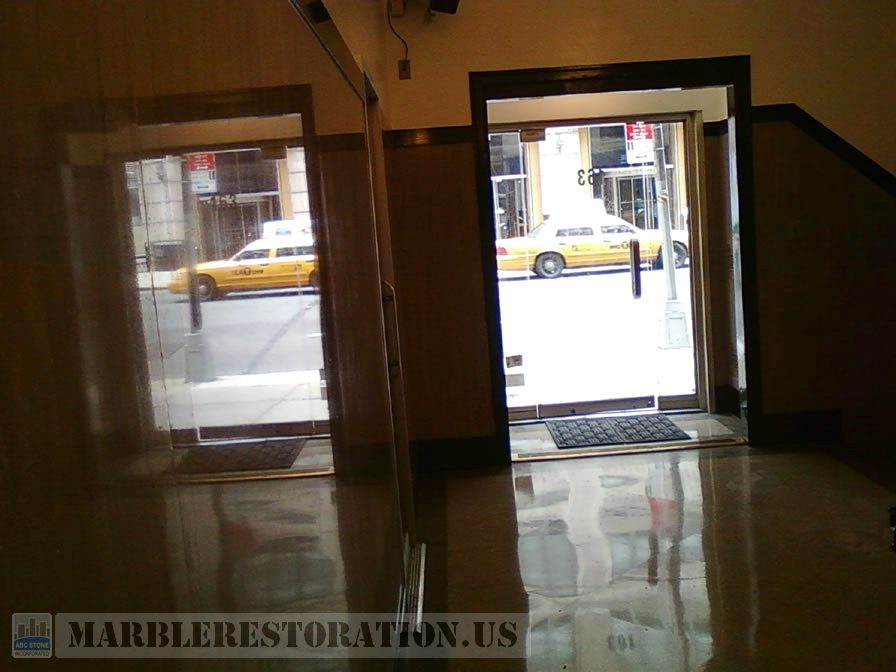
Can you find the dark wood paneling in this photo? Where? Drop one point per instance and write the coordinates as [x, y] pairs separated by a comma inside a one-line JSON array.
[[828, 139], [723, 326], [826, 264], [435, 235]]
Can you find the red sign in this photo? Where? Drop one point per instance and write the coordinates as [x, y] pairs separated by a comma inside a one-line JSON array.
[[203, 177], [639, 142], [197, 162], [639, 131]]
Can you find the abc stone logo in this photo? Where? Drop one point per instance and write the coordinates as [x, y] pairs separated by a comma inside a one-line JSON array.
[[32, 635]]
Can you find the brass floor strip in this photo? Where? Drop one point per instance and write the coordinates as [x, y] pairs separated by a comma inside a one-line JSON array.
[[571, 453], [228, 477]]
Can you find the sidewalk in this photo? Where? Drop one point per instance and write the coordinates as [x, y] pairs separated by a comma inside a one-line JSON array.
[[287, 396], [160, 279]]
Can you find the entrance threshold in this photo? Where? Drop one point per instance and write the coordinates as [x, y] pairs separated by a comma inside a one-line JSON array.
[[531, 441]]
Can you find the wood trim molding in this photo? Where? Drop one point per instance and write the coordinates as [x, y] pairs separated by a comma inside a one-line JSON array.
[[715, 128], [256, 102], [418, 137], [451, 135], [342, 142], [832, 141]]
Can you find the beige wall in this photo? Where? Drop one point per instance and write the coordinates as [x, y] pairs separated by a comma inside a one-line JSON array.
[[835, 59], [364, 29]]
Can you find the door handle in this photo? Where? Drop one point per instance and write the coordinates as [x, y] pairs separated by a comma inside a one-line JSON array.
[[390, 320], [634, 258]]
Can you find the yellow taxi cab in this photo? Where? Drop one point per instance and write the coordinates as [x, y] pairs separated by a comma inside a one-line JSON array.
[[268, 263], [570, 243]]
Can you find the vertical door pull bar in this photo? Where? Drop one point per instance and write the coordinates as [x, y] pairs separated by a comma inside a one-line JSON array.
[[634, 258], [390, 317]]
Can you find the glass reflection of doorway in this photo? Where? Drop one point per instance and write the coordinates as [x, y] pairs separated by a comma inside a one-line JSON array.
[[576, 340], [510, 187], [512, 210], [227, 272]]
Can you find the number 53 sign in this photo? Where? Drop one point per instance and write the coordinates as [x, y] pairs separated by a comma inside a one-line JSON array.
[[588, 176]]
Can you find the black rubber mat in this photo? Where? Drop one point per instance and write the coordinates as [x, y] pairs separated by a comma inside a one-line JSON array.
[[243, 456], [582, 432]]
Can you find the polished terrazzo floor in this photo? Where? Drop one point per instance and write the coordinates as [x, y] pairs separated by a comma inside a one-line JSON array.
[[718, 559], [714, 559]]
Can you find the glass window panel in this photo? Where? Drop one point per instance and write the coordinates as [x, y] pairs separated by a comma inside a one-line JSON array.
[[608, 146], [506, 154]]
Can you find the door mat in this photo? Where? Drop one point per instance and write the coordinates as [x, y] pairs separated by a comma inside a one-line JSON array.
[[581, 432], [243, 456]]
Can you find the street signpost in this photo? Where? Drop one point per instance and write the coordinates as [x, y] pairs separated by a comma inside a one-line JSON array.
[[203, 176], [639, 142]]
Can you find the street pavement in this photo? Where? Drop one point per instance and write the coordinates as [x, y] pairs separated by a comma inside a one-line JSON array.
[[262, 350], [582, 337], [245, 333]]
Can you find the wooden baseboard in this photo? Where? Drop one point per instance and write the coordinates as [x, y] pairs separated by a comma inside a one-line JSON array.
[[727, 400], [795, 429], [432, 455]]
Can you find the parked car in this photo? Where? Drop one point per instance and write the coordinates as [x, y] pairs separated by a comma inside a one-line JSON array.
[[279, 261], [566, 243]]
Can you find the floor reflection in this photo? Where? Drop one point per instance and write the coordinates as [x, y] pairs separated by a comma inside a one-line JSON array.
[[269, 546], [612, 560]]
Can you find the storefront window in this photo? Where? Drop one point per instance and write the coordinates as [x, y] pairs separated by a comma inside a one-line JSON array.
[[506, 154], [608, 146], [510, 185], [623, 175]]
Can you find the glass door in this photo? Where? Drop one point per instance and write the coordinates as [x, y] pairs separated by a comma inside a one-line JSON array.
[[577, 338], [228, 288]]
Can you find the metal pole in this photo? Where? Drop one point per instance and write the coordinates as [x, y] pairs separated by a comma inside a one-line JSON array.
[[199, 366], [674, 322], [663, 216]]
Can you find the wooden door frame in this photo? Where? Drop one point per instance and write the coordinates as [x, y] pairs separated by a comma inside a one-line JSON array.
[[732, 72], [691, 122]]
